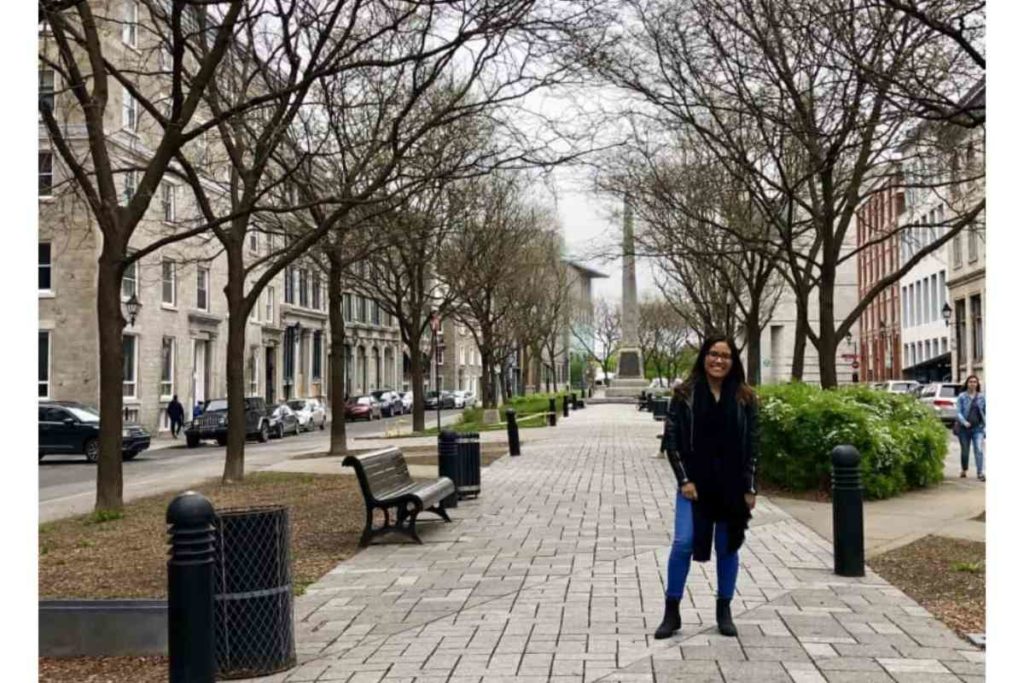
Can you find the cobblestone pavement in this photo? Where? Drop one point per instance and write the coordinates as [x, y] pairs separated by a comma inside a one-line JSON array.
[[556, 574]]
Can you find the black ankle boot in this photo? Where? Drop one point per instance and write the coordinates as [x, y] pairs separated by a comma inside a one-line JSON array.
[[723, 614], [671, 623]]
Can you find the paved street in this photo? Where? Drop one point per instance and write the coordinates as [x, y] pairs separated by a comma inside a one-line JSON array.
[[556, 573], [67, 484]]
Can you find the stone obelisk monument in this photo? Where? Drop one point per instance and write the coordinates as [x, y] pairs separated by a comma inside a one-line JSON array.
[[629, 379]]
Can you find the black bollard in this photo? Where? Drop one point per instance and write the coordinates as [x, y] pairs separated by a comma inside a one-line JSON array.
[[590, 392], [190, 589], [575, 401], [552, 412], [513, 432], [847, 512], [565, 405], [641, 404]]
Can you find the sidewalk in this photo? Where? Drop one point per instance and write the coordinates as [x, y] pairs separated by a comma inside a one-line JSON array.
[[556, 573]]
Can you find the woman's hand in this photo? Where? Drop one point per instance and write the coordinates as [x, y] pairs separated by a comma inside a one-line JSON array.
[[689, 491], [751, 499]]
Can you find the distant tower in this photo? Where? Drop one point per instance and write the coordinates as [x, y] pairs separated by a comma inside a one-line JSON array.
[[629, 379]]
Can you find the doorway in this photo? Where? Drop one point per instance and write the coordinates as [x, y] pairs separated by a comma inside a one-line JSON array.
[[271, 370], [201, 370]]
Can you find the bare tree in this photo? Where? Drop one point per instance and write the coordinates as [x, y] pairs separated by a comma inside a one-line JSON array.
[[601, 332], [732, 71], [663, 335]]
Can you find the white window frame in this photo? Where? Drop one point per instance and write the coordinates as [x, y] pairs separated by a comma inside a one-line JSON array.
[[129, 111], [254, 371], [48, 90], [132, 269], [270, 305], [205, 281], [43, 154], [129, 186], [166, 395], [130, 28], [49, 363], [135, 369], [48, 266], [173, 303], [167, 202]]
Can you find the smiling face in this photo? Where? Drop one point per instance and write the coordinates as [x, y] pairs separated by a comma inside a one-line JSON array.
[[972, 384], [718, 362]]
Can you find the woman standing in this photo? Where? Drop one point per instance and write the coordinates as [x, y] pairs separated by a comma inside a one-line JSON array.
[[713, 451], [970, 415]]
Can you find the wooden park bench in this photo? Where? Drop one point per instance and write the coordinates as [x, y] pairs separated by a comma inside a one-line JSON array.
[[385, 482]]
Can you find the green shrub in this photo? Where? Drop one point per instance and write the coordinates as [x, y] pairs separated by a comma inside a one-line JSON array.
[[902, 444]]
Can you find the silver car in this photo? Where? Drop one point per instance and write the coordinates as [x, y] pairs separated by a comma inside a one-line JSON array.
[[941, 396], [897, 386]]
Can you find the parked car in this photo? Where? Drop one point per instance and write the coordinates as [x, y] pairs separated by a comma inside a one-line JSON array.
[[362, 407], [447, 400], [283, 420], [390, 402], [941, 396], [213, 423], [459, 397], [896, 386], [310, 412], [470, 399], [406, 397], [70, 428]]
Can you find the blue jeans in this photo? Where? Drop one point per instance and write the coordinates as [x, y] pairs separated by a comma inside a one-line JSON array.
[[968, 437], [728, 565]]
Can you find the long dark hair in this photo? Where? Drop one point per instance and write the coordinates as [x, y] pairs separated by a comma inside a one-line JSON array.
[[733, 384], [968, 381]]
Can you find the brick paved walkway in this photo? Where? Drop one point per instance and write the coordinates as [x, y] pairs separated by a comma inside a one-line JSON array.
[[556, 574]]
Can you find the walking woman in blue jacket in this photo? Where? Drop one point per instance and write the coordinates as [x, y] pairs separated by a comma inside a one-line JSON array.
[[970, 415], [713, 450]]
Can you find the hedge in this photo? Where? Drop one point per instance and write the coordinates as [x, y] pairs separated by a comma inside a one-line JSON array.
[[901, 442]]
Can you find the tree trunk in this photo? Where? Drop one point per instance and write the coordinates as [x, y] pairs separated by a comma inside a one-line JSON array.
[[752, 332], [238, 316], [110, 323], [799, 344], [827, 330], [416, 373], [339, 366]]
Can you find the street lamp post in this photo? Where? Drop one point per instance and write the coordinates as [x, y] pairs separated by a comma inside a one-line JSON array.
[[132, 307], [435, 325]]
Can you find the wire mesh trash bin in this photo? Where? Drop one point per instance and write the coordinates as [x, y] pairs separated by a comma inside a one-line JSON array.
[[660, 408], [448, 464], [468, 467], [253, 631]]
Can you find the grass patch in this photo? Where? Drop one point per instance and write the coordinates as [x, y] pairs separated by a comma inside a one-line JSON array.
[[104, 516], [126, 556], [946, 576]]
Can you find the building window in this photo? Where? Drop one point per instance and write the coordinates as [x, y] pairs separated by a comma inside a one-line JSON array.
[[169, 279], [130, 280], [129, 347], [906, 307], [203, 289], [972, 243], [289, 358], [922, 301], [303, 287], [130, 28], [316, 291], [270, 305], [362, 309], [318, 346], [167, 201], [45, 174], [46, 89], [942, 290], [129, 186], [289, 285], [376, 312], [961, 332], [977, 330], [167, 357], [945, 346], [348, 307], [934, 287], [958, 254], [254, 371], [129, 112], [45, 267], [44, 363]]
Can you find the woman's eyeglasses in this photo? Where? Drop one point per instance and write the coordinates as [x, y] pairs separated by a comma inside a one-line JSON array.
[[720, 356]]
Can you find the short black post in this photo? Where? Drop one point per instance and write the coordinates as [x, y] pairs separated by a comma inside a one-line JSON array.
[[590, 392], [575, 401], [847, 512], [190, 589], [565, 405], [513, 431], [552, 412], [642, 403]]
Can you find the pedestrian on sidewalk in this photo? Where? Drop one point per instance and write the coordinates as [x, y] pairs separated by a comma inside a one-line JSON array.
[[176, 414], [970, 426], [198, 410], [713, 450]]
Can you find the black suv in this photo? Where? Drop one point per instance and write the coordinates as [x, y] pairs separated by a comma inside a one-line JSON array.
[[70, 427], [213, 423]]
